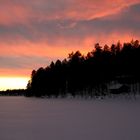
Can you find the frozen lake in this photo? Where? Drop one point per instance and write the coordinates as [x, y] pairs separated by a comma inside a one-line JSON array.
[[69, 119]]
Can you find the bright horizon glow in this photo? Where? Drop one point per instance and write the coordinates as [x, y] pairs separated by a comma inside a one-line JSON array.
[[13, 83]]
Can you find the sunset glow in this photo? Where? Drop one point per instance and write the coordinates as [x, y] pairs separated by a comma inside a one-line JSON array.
[[13, 83], [33, 33]]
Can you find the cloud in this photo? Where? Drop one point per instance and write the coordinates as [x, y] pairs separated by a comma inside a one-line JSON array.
[[36, 32], [54, 30], [125, 22], [21, 65], [16, 11], [21, 62]]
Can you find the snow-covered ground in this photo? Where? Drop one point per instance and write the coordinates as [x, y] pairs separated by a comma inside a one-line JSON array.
[[69, 119]]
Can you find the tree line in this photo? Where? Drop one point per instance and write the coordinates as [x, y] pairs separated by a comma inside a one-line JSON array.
[[14, 92], [87, 75]]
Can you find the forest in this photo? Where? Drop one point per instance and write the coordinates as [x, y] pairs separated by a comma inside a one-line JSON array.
[[89, 75]]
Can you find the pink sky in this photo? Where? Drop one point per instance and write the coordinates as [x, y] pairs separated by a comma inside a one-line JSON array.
[[35, 32]]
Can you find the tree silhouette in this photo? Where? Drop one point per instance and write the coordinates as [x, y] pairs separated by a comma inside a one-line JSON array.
[[88, 75]]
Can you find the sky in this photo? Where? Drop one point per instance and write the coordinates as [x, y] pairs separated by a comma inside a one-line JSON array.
[[35, 32]]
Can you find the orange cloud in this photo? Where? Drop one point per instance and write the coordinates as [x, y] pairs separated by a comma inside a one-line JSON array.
[[15, 73], [24, 11], [33, 56], [33, 33], [12, 13]]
